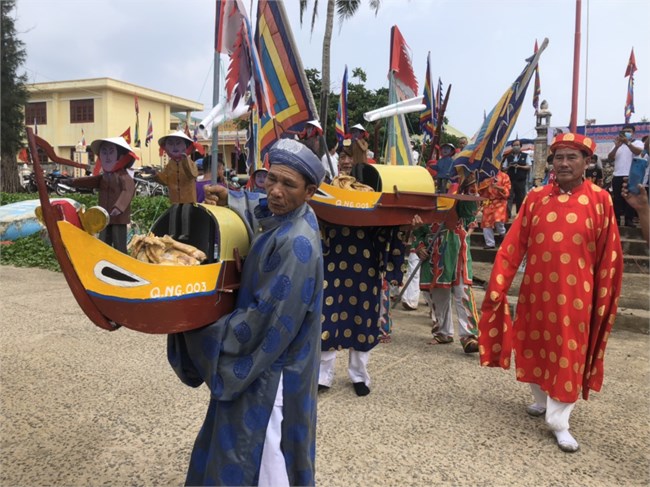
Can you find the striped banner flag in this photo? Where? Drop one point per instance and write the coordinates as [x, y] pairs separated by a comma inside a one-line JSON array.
[[483, 156], [341, 126], [149, 135], [290, 103], [427, 116]]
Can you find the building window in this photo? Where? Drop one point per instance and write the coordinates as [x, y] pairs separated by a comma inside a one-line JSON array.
[[82, 111], [36, 112], [42, 156]]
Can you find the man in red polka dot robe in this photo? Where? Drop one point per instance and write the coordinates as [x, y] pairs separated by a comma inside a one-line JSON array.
[[569, 294]]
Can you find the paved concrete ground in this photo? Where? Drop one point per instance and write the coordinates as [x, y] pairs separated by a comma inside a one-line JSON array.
[[81, 406]]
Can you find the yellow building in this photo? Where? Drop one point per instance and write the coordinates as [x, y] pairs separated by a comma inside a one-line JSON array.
[[68, 112]]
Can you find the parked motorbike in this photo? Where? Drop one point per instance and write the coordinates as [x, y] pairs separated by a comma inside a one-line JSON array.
[[30, 183], [62, 186], [52, 180], [145, 184]]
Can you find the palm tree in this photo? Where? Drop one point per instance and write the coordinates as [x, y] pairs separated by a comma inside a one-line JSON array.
[[360, 74], [345, 10]]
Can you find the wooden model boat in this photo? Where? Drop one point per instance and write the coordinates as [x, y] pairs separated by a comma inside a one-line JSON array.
[[114, 289], [399, 193]]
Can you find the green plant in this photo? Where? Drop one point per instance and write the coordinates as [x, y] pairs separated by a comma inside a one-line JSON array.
[[35, 251], [145, 210], [32, 251], [9, 198]]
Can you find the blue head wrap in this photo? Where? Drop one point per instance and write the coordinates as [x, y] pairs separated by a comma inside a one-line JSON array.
[[299, 157]]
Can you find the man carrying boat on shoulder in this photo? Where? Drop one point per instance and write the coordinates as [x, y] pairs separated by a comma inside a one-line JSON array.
[[260, 362]]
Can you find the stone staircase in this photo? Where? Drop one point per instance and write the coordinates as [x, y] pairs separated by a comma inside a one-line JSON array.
[[636, 259], [634, 301]]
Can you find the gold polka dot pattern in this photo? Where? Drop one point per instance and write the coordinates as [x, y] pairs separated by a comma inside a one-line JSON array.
[[355, 261], [573, 267]]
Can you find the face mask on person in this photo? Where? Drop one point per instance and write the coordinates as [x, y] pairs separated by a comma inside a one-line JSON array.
[[628, 135], [516, 149]]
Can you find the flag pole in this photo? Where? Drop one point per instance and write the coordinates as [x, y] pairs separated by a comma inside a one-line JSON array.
[[576, 70], [215, 100]]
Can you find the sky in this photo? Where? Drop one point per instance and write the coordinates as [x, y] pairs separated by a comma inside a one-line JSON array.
[[478, 46]]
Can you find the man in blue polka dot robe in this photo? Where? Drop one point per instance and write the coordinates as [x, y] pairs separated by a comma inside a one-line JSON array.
[[260, 362]]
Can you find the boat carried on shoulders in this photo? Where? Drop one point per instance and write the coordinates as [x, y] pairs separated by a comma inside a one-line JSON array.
[[115, 289]]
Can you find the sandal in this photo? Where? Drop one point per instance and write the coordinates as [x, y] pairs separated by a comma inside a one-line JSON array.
[[385, 339], [441, 339], [470, 345]]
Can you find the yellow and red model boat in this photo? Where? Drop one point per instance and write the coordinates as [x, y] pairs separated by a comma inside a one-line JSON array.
[[114, 289], [399, 193]]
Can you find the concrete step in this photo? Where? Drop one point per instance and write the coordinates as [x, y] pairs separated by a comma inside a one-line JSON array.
[[636, 251], [631, 246], [625, 232], [635, 264], [633, 305]]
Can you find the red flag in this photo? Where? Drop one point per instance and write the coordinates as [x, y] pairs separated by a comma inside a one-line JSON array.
[[400, 64], [228, 22], [631, 65], [126, 135], [629, 100]]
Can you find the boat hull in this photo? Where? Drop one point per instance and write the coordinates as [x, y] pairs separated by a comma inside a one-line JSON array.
[[149, 298]]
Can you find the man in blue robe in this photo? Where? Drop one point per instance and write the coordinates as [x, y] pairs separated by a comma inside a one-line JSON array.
[[260, 362], [357, 260]]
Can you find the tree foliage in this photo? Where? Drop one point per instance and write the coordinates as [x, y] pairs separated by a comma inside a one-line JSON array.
[[14, 96], [345, 10]]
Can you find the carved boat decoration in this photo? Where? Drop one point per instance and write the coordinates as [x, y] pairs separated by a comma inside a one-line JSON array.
[[399, 193], [114, 289]]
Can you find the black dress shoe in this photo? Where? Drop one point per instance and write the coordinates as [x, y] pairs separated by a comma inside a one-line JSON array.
[[322, 387], [361, 389], [489, 247]]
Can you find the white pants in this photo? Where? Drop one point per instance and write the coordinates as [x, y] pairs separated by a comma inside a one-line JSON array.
[[488, 233], [432, 308], [557, 413], [441, 298], [357, 367], [411, 294], [273, 469]]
